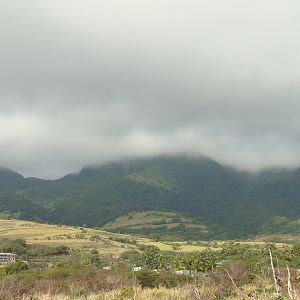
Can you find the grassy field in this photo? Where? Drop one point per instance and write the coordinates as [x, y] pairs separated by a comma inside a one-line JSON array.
[[105, 242], [182, 246], [205, 290], [146, 219], [82, 238], [151, 219], [75, 237], [182, 293]]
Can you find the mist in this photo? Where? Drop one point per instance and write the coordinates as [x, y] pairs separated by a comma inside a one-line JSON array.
[[87, 82]]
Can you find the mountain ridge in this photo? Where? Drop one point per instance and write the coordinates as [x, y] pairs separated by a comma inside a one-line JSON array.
[[235, 204]]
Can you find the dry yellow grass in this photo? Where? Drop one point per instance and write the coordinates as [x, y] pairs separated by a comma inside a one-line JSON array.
[[78, 238], [180, 293], [138, 294], [36, 233], [183, 246]]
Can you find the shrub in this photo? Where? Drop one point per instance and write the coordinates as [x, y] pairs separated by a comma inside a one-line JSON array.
[[176, 246], [59, 273], [94, 252], [45, 250], [17, 246], [15, 268], [147, 278], [173, 280], [132, 256]]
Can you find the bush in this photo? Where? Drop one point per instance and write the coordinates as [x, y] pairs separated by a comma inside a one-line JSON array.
[[59, 273], [132, 256], [94, 252], [17, 246], [15, 268], [45, 250], [176, 246], [173, 280], [147, 278], [123, 240]]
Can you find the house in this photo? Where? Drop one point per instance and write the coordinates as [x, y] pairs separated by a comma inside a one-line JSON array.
[[7, 257], [186, 272]]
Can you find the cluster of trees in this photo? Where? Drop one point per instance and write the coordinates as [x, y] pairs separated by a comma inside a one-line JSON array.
[[24, 250], [153, 259], [247, 253]]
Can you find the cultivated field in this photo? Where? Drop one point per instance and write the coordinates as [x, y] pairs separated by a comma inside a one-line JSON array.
[[151, 219]]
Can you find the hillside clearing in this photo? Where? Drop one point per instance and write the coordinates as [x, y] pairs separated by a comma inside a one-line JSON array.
[[83, 238]]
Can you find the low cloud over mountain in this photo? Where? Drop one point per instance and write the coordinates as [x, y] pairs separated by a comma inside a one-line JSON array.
[[85, 82]]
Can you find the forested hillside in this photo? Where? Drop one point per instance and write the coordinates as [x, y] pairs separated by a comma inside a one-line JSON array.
[[228, 203]]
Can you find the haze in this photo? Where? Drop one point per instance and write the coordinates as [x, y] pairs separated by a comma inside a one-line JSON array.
[[86, 82]]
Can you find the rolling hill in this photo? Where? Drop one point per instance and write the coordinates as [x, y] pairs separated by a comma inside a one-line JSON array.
[[227, 203]]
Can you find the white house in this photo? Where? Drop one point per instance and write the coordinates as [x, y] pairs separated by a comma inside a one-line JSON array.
[[186, 272], [7, 257]]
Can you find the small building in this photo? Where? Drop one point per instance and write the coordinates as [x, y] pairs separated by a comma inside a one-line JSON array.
[[7, 257], [186, 272]]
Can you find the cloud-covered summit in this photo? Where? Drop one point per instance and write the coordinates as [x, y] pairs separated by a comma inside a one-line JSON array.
[[84, 82]]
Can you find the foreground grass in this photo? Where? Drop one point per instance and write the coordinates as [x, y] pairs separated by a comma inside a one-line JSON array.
[[118, 285], [181, 293], [137, 294]]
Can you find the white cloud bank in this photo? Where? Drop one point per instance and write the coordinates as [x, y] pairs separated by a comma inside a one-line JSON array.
[[85, 82]]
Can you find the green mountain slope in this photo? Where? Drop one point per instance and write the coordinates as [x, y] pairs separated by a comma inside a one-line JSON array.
[[229, 203], [19, 206], [10, 180]]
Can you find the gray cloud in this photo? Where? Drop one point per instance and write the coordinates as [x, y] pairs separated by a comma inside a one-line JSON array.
[[85, 82]]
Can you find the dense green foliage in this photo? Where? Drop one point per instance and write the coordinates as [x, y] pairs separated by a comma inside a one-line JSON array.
[[23, 250], [82, 273], [231, 204], [17, 205], [15, 267]]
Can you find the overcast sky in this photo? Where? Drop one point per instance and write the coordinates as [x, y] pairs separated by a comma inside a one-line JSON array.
[[88, 81]]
